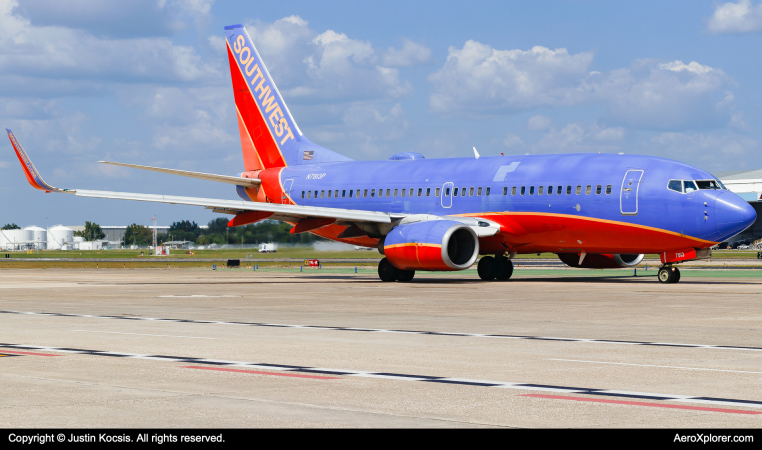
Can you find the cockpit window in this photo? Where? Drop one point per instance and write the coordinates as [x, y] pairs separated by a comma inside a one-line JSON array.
[[721, 185], [708, 184], [676, 185], [689, 186]]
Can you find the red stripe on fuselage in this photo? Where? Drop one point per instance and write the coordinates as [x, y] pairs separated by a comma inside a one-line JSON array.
[[264, 144], [544, 232]]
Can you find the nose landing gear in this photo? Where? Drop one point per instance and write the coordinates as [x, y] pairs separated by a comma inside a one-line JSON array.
[[669, 274]]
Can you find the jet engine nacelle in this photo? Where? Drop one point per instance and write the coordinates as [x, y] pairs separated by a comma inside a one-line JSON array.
[[601, 261], [431, 245]]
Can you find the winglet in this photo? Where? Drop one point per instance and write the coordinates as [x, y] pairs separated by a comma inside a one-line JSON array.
[[476, 154], [31, 173]]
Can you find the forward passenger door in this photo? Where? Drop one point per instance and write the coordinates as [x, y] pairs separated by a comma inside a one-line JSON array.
[[628, 196]]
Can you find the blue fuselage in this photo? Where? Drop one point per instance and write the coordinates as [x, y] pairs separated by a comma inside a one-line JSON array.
[[619, 188]]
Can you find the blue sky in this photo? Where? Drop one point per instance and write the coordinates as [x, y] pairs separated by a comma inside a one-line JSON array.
[[147, 82]]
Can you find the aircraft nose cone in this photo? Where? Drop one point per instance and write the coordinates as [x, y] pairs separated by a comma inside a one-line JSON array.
[[733, 213]]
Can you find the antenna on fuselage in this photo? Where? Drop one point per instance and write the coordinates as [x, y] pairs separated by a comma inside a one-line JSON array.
[[476, 154]]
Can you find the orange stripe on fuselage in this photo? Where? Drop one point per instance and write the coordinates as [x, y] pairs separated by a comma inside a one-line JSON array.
[[264, 142]]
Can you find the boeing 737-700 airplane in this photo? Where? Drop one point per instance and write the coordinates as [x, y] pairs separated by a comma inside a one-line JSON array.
[[592, 210]]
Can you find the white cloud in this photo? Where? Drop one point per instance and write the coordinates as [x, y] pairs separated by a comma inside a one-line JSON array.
[[411, 54], [580, 137], [68, 55], [720, 151], [512, 140], [324, 67], [610, 134], [740, 17], [538, 123], [480, 79]]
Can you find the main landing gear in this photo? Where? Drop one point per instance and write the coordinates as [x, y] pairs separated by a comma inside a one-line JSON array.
[[387, 272], [498, 268], [669, 274]]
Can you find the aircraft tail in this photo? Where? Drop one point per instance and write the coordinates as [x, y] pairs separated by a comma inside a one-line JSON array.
[[269, 135]]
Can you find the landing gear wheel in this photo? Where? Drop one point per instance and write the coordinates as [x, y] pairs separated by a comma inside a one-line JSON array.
[[505, 269], [405, 275], [669, 275], [487, 268], [386, 271]]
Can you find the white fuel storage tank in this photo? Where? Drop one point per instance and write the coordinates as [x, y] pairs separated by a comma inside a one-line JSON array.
[[11, 239], [36, 236], [59, 236]]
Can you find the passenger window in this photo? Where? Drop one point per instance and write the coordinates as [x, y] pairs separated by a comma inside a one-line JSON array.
[[531, 190], [568, 190], [486, 192], [455, 192], [428, 192], [322, 194], [598, 190], [447, 192], [579, 190], [350, 193], [523, 190], [588, 189], [550, 190], [689, 186], [364, 193], [436, 193], [343, 193], [372, 192], [388, 191], [404, 191], [559, 190], [411, 192], [329, 194], [513, 190], [471, 192], [316, 194], [479, 191], [540, 190], [395, 192], [336, 193], [462, 192], [608, 189], [309, 194], [505, 190], [675, 185], [302, 194], [420, 191]]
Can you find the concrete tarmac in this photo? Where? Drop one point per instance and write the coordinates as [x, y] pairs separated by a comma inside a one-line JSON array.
[[315, 349]]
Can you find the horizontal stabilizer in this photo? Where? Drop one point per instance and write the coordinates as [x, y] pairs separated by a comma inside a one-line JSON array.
[[240, 181]]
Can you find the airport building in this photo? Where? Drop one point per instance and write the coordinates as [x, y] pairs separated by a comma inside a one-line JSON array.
[[60, 237]]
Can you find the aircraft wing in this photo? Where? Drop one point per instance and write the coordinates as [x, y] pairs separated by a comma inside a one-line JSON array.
[[288, 213]]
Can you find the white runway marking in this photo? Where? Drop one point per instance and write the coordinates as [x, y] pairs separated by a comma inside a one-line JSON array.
[[405, 377], [195, 296], [653, 365], [141, 334], [397, 331]]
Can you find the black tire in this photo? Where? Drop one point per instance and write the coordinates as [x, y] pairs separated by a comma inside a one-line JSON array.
[[505, 269], [487, 268], [666, 275], [405, 275], [386, 271], [676, 274]]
